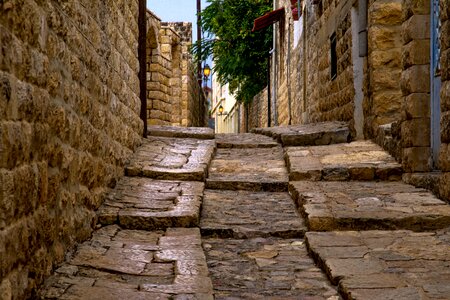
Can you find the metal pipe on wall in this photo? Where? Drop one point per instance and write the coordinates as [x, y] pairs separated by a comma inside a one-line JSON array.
[[362, 28], [142, 55]]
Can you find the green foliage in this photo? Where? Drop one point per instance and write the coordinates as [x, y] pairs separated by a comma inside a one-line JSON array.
[[240, 55]]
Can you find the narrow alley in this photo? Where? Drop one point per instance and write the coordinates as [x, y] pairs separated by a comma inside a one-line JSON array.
[[295, 212]]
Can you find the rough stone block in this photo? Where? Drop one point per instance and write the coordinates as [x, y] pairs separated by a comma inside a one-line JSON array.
[[415, 7], [386, 13], [416, 52], [416, 133], [416, 159], [385, 78], [445, 127], [386, 58], [384, 38], [416, 80], [417, 105], [416, 28]]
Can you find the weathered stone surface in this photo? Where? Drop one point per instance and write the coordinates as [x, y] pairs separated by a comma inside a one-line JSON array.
[[172, 159], [361, 160], [369, 205], [323, 133], [265, 268], [147, 204], [256, 169], [181, 132], [244, 140], [244, 214], [117, 263], [387, 264]]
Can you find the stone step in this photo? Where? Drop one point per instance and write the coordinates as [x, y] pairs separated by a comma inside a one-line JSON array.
[[255, 169], [244, 140], [385, 264], [132, 264], [204, 133], [148, 204], [323, 133], [265, 268], [245, 214], [360, 160], [172, 159], [353, 205]]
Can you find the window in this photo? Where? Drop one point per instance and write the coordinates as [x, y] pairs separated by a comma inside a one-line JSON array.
[[333, 57]]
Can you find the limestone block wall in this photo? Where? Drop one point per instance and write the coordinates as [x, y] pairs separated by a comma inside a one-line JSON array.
[[383, 95], [415, 85], [256, 112], [69, 118], [444, 156]]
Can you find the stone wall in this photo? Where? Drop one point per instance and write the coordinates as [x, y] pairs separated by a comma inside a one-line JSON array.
[[69, 118], [444, 156], [415, 85], [256, 112], [383, 96], [169, 78]]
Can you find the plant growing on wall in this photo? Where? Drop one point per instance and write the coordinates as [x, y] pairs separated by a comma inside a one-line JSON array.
[[240, 56]]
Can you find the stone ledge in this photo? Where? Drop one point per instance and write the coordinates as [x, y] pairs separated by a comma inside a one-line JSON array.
[[331, 206], [360, 160], [172, 159], [244, 140], [121, 264], [244, 214], [323, 133], [384, 264], [147, 204], [181, 132]]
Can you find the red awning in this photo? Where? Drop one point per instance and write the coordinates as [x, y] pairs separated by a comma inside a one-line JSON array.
[[268, 19]]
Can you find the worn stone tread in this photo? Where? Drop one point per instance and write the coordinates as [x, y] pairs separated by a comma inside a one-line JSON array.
[[323, 133], [329, 206], [265, 268], [256, 169], [134, 264], [245, 214], [205, 133], [172, 159], [360, 160], [385, 264], [244, 140], [148, 204]]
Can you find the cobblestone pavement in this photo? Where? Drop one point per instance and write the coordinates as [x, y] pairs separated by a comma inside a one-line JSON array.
[[172, 159], [361, 160], [244, 214], [253, 244], [385, 264], [324, 133], [244, 140], [255, 169], [131, 264], [143, 203], [265, 268], [369, 205], [181, 132]]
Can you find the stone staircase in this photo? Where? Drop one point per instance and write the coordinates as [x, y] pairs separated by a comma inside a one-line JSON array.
[[190, 221]]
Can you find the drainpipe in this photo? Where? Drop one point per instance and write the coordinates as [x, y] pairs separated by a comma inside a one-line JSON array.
[[275, 64], [142, 55], [269, 113], [362, 28], [288, 78]]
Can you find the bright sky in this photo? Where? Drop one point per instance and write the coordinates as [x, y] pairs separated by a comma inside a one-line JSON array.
[[177, 11]]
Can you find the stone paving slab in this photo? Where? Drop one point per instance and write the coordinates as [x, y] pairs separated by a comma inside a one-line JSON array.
[[265, 268], [244, 140], [354, 205], [257, 169], [172, 159], [148, 204], [204, 133], [381, 265], [360, 160], [323, 133], [133, 264], [244, 214]]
